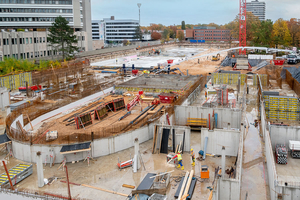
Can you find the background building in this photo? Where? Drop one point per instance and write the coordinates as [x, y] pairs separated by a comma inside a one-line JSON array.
[[119, 30], [257, 8], [206, 33], [98, 34], [24, 25]]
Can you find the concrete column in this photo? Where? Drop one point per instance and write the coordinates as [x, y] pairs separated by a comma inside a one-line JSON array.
[[40, 170], [223, 162], [229, 126], [136, 154]]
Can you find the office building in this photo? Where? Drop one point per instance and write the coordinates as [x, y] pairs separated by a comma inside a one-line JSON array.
[[206, 33], [119, 30], [24, 25], [257, 8]]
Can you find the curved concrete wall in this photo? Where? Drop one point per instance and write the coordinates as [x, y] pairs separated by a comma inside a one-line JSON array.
[[100, 147]]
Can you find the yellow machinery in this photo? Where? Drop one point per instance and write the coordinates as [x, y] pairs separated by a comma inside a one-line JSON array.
[[216, 58]]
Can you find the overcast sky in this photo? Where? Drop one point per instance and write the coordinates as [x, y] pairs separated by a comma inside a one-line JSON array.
[[169, 12]]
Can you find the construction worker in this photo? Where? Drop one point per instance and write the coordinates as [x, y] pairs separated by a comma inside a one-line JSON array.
[[179, 158], [193, 157]]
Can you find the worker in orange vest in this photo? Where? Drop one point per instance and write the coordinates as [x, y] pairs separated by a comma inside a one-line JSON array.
[[193, 157], [179, 158]]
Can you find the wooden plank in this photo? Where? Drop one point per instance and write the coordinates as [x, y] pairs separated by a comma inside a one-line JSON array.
[[183, 185], [188, 183], [162, 131], [76, 151], [29, 121], [39, 138], [128, 186], [154, 139]]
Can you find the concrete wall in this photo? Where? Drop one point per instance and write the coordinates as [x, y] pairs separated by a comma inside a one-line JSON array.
[[218, 138], [269, 154], [100, 147], [282, 134], [178, 135], [225, 115], [4, 98], [19, 118]]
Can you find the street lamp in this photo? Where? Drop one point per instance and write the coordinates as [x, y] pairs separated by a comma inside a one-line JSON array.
[[139, 5]]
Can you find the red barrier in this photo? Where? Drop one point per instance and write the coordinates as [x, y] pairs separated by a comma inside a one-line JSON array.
[[278, 62]]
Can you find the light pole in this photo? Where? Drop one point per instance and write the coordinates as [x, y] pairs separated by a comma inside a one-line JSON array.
[[139, 5]]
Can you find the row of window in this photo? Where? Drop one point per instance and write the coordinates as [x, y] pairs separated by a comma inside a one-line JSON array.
[[23, 40], [32, 19], [30, 54], [119, 38], [67, 2], [212, 38], [95, 27], [120, 34], [34, 10], [121, 26], [120, 30], [119, 23]]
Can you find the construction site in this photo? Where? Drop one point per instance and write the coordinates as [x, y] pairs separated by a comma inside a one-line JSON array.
[[115, 126]]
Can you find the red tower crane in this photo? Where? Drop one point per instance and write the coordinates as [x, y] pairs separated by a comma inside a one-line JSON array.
[[242, 19]]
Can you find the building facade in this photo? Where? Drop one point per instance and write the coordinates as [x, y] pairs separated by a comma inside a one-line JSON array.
[[257, 8], [206, 33], [24, 25], [119, 30]]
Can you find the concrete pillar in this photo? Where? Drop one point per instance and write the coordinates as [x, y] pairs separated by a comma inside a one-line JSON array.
[[137, 164], [229, 126], [223, 162], [40, 170]]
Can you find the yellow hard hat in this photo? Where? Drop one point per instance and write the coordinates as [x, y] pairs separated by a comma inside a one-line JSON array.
[[192, 149]]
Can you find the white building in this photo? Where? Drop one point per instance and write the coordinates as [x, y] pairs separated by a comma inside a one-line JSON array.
[[24, 25], [257, 8], [120, 30]]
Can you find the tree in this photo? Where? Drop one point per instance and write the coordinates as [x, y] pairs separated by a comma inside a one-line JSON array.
[[281, 34], [180, 36], [138, 33], [125, 42], [183, 25], [62, 36], [173, 30], [156, 36], [294, 28], [166, 35], [264, 35]]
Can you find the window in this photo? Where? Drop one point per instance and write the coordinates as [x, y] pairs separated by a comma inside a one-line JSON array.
[[21, 41], [44, 39], [34, 40], [31, 54], [13, 42], [4, 41], [27, 43], [45, 53], [27, 55], [40, 39], [30, 40]]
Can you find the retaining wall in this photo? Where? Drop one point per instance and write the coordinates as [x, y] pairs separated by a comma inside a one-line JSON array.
[[221, 137], [225, 115], [100, 147], [282, 134]]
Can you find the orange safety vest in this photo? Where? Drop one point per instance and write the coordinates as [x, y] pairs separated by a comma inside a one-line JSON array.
[[179, 157]]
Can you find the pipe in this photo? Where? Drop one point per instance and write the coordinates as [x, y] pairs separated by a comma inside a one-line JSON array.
[[205, 147], [216, 120], [136, 152], [223, 162], [11, 185]]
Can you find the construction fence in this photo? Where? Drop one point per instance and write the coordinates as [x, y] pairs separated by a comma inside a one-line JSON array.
[[13, 82], [263, 79]]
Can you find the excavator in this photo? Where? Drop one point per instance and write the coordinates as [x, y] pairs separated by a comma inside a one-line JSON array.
[[216, 58]]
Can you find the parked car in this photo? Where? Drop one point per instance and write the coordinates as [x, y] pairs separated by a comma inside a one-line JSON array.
[[292, 59]]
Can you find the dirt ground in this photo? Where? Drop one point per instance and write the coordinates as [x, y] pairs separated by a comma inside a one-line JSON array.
[[204, 66]]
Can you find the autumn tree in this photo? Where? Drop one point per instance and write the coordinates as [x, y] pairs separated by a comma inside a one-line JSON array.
[[155, 36], [166, 35], [153, 27], [180, 36], [294, 28], [281, 34], [173, 30]]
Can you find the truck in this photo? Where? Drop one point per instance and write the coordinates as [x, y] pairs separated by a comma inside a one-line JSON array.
[[292, 59], [281, 154], [294, 147]]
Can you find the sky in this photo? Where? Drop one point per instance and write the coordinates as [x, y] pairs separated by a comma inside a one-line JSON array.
[[170, 12]]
